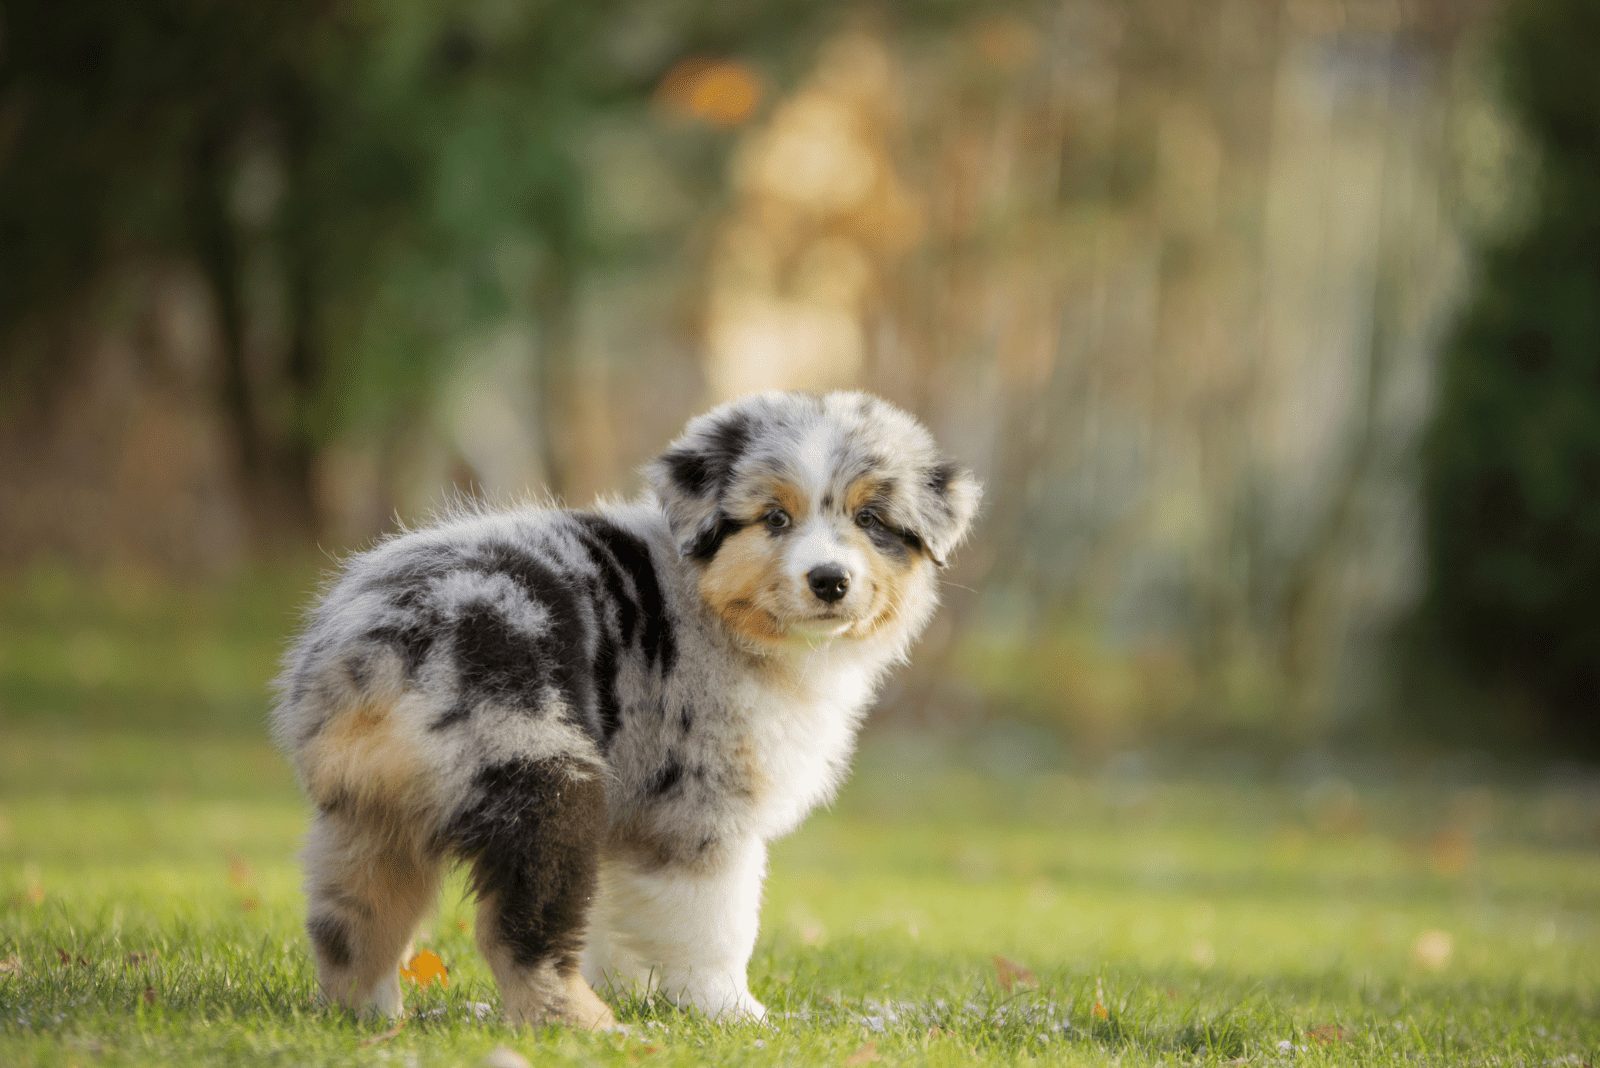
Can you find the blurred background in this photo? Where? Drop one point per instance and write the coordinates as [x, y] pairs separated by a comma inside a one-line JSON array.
[[1273, 327]]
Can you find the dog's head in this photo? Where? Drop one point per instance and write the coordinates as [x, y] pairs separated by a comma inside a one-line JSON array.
[[814, 518]]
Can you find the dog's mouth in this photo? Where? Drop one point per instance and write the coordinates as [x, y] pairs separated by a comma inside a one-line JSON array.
[[821, 627]]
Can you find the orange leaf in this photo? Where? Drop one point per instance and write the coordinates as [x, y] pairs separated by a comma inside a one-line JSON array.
[[1008, 973], [1100, 1012], [424, 968], [1328, 1034]]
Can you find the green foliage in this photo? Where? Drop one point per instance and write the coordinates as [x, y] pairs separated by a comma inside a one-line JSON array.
[[368, 182], [1512, 494]]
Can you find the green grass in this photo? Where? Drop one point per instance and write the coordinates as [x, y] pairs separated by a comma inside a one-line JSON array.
[[150, 910]]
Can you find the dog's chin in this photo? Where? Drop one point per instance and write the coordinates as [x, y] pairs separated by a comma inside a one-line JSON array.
[[817, 631]]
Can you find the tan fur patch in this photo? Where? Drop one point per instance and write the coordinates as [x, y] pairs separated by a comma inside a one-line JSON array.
[[888, 584], [788, 497], [859, 492], [362, 754], [733, 583]]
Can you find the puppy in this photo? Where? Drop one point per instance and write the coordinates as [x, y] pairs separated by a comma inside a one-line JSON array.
[[608, 714]]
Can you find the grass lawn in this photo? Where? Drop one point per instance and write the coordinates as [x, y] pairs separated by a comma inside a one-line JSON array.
[[150, 910]]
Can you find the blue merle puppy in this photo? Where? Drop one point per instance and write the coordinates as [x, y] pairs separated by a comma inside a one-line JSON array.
[[608, 714]]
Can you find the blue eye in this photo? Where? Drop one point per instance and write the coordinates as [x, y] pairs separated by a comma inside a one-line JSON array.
[[866, 519], [777, 519]]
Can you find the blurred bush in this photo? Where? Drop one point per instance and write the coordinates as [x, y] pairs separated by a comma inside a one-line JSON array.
[[1512, 488], [1173, 275]]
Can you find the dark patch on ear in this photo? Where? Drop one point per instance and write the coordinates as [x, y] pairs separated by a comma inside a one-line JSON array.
[[691, 471], [706, 544], [332, 940], [700, 471], [941, 476]]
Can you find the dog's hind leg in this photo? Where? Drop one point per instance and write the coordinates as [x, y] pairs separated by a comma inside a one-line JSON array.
[[532, 833], [366, 894]]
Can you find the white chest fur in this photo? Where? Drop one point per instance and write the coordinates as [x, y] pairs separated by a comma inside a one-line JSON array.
[[798, 742]]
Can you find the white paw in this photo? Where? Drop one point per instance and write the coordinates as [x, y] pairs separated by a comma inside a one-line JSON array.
[[740, 1007]]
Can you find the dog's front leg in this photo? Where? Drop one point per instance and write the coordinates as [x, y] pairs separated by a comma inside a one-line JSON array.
[[690, 930]]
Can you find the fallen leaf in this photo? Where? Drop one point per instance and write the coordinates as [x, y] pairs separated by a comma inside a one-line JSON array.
[[1328, 1034], [1100, 1012], [424, 968], [865, 1055], [386, 1036], [11, 965], [139, 957], [66, 958], [1008, 973], [249, 903], [149, 995]]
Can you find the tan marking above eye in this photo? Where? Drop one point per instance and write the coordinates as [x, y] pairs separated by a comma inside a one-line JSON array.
[[863, 491], [779, 494]]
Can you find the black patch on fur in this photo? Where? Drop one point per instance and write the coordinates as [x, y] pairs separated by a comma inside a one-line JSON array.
[[940, 477], [666, 777], [701, 471], [331, 938], [608, 710], [412, 640], [497, 661], [827, 501], [457, 712], [686, 718], [633, 556], [709, 541], [532, 834]]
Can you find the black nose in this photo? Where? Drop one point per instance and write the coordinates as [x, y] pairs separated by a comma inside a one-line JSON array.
[[829, 582]]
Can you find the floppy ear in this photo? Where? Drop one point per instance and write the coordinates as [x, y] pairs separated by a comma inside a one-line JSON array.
[[690, 477], [947, 502]]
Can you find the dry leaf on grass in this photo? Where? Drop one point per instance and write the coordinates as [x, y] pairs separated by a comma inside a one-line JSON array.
[[424, 968], [865, 1055], [66, 958], [1009, 974], [149, 995], [11, 965], [1100, 1012], [1328, 1034]]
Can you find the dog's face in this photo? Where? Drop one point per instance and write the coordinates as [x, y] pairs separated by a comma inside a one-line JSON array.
[[813, 518]]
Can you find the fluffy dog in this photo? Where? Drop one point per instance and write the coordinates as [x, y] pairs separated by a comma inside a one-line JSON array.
[[608, 714]]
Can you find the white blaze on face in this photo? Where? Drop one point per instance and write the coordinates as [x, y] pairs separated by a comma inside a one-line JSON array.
[[816, 540]]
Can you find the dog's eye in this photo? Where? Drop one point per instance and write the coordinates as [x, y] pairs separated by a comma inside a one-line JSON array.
[[777, 519], [866, 519]]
